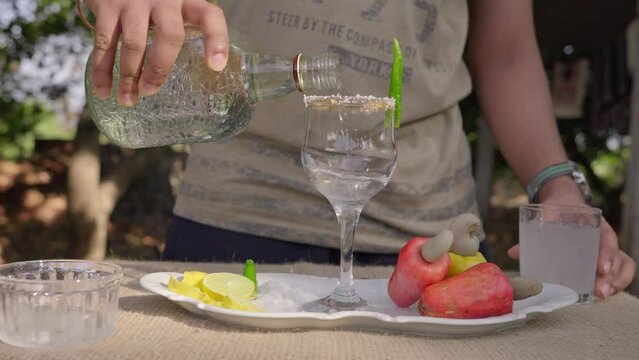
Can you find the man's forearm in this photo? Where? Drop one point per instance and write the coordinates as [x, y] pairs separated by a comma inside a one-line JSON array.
[[512, 87], [516, 106]]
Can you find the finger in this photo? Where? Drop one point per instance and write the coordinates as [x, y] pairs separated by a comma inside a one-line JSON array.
[[107, 33], [604, 284], [608, 247], [169, 36], [625, 274], [603, 288], [605, 259], [608, 237], [513, 252], [210, 19], [617, 262], [135, 24]]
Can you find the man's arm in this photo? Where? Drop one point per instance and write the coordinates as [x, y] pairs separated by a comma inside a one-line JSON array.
[[511, 85], [515, 99]]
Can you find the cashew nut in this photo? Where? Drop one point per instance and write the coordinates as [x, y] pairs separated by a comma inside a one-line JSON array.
[[437, 246], [524, 288], [465, 242]]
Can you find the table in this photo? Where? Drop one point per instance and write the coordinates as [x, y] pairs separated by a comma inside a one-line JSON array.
[[152, 327]]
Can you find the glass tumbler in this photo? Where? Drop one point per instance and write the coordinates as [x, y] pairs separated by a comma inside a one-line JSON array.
[[560, 245], [58, 303]]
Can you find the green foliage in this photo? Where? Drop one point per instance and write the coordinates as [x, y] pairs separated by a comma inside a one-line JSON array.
[[51, 17], [27, 23], [610, 166], [17, 121], [17, 135]]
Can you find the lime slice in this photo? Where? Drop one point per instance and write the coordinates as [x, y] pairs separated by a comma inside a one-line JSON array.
[[193, 278], [181, 288], [397, 76], [221, 285], [250, 273]]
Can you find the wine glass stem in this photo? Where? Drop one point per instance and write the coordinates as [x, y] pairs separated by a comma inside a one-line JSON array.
[[347, 219]]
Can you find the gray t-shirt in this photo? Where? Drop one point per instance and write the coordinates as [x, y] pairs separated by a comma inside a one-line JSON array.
[[254, 183]]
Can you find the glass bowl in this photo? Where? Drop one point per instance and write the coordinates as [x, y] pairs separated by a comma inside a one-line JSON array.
[[58, 303]]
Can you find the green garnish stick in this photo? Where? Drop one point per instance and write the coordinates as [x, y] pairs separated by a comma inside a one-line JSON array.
[[397, 75]]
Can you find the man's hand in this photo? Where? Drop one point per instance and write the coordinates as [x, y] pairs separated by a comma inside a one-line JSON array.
[[129, 20], [512, 89], [615, 269]]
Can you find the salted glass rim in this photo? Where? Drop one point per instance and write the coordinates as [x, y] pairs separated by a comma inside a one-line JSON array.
[[115, 274], [317, 101], [578, 209]]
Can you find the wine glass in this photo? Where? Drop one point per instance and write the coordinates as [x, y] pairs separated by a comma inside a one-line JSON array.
[[349, 154]]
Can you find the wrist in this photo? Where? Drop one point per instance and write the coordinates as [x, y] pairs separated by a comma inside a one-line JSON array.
[[563, 180], [561, 190]]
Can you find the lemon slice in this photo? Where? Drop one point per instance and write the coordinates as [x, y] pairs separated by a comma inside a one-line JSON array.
[[222, 285], [193, 278], [240, 304], [181, 288], [207, 300]]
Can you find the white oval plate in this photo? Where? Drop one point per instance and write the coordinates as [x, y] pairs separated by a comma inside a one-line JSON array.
[[386, 317]]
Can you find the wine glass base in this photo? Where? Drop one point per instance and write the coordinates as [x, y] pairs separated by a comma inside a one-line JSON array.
[[332, 304]]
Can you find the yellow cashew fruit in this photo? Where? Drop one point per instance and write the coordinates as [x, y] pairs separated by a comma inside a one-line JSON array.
[[460, 263]]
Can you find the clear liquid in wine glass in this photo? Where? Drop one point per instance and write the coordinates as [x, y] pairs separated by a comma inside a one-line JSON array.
[[349, 154]]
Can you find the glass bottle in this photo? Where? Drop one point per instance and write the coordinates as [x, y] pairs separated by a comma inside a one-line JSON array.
[[197, 104]]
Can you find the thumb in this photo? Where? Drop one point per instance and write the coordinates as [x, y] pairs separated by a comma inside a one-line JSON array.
[[513, 252]]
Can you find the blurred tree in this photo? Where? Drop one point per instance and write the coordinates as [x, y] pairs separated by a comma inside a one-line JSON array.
[[43, 52]]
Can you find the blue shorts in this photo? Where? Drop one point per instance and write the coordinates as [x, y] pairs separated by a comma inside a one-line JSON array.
[[188, 240]]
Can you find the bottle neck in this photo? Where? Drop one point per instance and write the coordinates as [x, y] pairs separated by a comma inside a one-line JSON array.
[[316, 72], [272, 76]]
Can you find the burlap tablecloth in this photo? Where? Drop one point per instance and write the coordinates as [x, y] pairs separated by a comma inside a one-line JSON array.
[[152, 327]]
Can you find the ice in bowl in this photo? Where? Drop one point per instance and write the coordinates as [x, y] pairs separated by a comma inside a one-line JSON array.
[[58, 303]]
